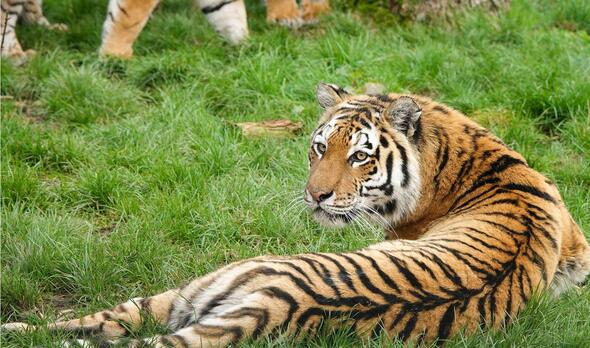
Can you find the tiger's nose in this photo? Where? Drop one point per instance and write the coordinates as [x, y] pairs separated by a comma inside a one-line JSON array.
[[320, 195]]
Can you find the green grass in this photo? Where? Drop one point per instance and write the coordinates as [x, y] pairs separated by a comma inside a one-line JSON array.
[[125, 178]]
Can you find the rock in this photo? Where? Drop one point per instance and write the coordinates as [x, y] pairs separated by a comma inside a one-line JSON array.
[[374, 88]]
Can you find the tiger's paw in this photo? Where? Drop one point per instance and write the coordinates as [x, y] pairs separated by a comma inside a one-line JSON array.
[[312, 9], [292, 23], [284, 12], [15, 327], [59, 27], [121, 52], [20, 57]]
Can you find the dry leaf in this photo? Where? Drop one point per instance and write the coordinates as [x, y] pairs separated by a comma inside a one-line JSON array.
[[274, 128]]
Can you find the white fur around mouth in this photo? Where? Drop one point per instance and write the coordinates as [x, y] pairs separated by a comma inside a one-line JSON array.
[[327, 218]]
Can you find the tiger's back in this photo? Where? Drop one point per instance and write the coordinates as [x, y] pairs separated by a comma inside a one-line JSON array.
[[482, 233]]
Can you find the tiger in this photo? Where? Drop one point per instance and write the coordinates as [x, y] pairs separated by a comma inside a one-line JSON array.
[[126, 19], [472, 233], [31, 11]]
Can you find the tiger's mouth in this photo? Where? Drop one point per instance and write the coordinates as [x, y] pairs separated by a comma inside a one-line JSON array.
[[332, 219]]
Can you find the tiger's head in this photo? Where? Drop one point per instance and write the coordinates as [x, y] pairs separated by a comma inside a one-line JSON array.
[[363, 159]]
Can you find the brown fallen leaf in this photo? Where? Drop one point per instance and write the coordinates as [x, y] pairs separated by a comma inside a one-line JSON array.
[[274, 128]]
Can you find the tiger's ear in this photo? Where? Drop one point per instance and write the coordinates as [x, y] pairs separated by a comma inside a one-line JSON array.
[[329, 95], [403, 114]]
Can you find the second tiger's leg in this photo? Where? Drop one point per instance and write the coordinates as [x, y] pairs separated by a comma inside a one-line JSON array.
[[125, 21], [284, 12], [228, 17], [33, 13], [10, 45], [314, 8]]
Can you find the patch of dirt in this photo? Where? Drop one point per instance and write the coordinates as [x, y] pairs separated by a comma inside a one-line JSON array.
[[31, 110], [490, 118], [62, 302], [566, 25], [105, 224], [106, 229]]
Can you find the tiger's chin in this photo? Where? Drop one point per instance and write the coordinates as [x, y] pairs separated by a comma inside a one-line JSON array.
[[328, 219]]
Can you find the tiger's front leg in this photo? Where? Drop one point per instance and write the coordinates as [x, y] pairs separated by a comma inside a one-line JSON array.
[[125, 21], [11, 48], [228, 17], [33, 13]]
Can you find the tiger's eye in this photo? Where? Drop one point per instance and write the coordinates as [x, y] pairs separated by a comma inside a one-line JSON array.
[[359, 156], [320, 148]]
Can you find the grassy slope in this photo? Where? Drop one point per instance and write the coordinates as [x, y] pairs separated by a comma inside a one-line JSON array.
[[121, 179]]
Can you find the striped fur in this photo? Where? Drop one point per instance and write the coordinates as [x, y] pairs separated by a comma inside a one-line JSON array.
[[126, 19], [32, 12], [482, 233]]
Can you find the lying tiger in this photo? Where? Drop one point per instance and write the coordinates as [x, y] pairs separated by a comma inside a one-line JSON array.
[[126, 19], [474, 232]]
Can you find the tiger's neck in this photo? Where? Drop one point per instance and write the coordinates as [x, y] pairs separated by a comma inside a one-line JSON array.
[[453, 152]]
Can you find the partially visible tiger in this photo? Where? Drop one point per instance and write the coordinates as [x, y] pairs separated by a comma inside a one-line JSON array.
[[484, 232], [126, 19], [32, 12]]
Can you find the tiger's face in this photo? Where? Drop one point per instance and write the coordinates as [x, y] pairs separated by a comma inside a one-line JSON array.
[[362, 160]]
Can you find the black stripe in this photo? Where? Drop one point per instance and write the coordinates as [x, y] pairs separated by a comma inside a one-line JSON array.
[[442, 162], [446, 269], [441, 109], [403, 269], [308, 313], [417, 137], [446, 322], [531, 190], [404, 159], [360, 273], [275, 292], [342, 274], [382, 274], [325, 274], [422, 266], [388, 208], [508, 310], [477, 199], [482, 311], [465, 170], [486, 244], [461, 256], [292, 265], [210, 9], [260, 314], [122, 9], [410, 325]]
